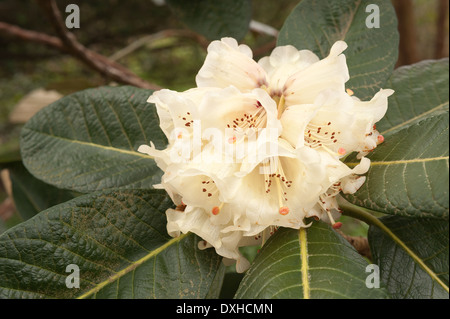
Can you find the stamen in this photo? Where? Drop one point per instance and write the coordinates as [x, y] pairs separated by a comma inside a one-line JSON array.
[[337, 225], [281, 106], [341, 151], [333, 223], [320, 135], [332, 152], [280, 198], [216, 209], [250, 120], [380, 139], [209, 187], [350, 92], [284, 210]]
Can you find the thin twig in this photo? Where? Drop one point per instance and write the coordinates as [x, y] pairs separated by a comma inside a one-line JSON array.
[[263, 28], [66, 42], [32, 36], [147, 39]]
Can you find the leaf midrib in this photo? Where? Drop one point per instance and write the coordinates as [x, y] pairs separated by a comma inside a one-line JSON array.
[[367, 216], [398, 162], [104, 147], [303, 243], [415, 118], [132, 266]]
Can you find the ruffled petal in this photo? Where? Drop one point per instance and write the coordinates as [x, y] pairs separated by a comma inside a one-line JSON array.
[[284, 62], [177, 109], [331, 72], [228, 63], [343, 125], [294, 121]]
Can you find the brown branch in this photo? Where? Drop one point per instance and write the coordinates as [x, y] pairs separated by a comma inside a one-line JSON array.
[[98, 62], [440, 29], [32, 36], [407, 30]]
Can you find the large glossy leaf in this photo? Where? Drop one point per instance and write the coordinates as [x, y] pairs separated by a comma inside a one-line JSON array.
[[214, 19], [372, 52], [409, 172], [118, 240], [32, 195], [87, 141], [309, 263], [421, 91], [405, 277]]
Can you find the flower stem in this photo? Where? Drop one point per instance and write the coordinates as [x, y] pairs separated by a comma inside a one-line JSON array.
[[364, 215]]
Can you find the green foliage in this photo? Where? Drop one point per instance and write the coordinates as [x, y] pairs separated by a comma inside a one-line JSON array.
[[31, 195], [409, 172], [310, 263], [421, 91], [87, 141], [214, 19], [404, 276], [116, 233], [117, 239], [371, 54]]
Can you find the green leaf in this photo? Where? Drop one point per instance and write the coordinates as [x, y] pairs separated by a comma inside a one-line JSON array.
[[87, 141], [421, 91], [32, 195], [405, 277], [372, 52], [214, 19], [409, 172], [9, 151], [315, 262], [118, 240]]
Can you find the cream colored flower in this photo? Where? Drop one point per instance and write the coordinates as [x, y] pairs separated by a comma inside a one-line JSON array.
[[235, 179]]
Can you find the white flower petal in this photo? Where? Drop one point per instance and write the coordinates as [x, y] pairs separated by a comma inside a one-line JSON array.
[[228, 63], [376, 108], [294, 121], [331, 72], [284, 62], [258, 145], [176, 109]]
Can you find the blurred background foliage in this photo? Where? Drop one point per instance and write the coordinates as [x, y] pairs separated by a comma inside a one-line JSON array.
[[145, 37]]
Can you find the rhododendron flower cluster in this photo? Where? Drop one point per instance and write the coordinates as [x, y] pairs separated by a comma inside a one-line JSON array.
[[259, 145]]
